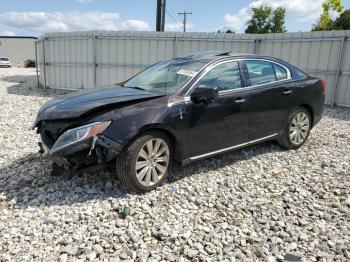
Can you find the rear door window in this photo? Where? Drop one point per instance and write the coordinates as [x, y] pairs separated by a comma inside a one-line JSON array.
[[262, 72]]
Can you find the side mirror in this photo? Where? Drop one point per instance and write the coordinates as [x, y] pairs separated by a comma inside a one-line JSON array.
[[204, 93]]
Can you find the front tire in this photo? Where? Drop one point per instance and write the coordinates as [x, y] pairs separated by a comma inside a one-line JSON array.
[[297, 129], [145, 163]]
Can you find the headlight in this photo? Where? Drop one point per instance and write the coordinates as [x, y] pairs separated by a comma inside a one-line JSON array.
[[79, 134]]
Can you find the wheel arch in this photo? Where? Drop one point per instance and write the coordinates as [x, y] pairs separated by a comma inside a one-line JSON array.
[[311, 112], [175, 142]]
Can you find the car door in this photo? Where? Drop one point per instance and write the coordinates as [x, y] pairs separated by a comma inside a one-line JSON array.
[[272, 96], [222, 122]]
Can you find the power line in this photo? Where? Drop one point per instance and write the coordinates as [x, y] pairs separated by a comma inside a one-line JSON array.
[[171, 16], [171, 13], [184, 13]]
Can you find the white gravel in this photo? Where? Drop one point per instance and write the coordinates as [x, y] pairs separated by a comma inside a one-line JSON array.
[[260, 203]]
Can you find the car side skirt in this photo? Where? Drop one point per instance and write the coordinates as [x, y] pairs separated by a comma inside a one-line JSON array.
[[224, 150]]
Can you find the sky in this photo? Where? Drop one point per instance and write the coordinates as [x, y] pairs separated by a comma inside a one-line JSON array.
[[35, 17]]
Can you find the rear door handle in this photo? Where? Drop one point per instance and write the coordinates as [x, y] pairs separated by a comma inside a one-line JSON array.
[[240, 101], [287, 92]]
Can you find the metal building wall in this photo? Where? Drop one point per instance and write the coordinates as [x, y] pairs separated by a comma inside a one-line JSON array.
[[83, 60], [18, 49]]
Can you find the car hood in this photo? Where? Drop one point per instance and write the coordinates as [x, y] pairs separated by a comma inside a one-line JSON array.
[[76, 104]]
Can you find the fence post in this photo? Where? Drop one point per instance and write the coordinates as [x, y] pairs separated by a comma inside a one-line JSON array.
[[94, 60], [338, 72], [257, 42], [36, 62], [44, 63], [175, 47]]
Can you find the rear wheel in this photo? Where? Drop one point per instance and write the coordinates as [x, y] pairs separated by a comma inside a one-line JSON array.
[[297, 129], [145, 164]]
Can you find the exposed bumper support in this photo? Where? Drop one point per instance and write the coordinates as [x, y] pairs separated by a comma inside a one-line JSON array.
[[101, 144]]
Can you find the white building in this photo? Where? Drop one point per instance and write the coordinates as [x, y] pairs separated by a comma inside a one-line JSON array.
[[17, 48]]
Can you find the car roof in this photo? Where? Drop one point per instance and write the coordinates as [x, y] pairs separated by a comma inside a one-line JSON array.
[[209, 56]]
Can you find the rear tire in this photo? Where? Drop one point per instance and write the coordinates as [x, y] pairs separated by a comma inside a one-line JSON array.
[[145, 163], [297, 129]]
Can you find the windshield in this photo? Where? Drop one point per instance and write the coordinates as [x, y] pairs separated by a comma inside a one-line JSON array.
[[166, 77], [4, 59]]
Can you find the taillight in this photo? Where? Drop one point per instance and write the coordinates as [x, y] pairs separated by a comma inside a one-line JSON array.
[[323, 83]]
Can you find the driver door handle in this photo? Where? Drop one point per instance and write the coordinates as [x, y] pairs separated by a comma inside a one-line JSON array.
[[287, 92], [240, 100]]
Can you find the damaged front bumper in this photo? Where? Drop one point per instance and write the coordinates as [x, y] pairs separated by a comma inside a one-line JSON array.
[[95, 152]]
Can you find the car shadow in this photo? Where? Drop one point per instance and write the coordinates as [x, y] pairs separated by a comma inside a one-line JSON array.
[[28, 181], [222, 160], [26, 85], [337, 113]]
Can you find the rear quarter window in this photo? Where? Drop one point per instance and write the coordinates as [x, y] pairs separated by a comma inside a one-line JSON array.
[[298, 74], [281, 73]]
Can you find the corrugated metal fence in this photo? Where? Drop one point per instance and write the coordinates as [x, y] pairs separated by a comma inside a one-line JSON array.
[[82, 60]]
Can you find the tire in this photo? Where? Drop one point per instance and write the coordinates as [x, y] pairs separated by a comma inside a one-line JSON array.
[[57, 170], [132, 162], [295, 129]]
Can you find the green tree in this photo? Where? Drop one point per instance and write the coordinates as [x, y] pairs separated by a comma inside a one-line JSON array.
[[343, 21], [264, 20], [227, 31], [278, 21], [325, 22]]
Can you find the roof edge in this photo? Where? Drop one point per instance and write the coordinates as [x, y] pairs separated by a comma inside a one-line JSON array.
[[19, 37]]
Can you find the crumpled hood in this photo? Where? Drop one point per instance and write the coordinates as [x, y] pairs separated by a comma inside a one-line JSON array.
[[75, 104]]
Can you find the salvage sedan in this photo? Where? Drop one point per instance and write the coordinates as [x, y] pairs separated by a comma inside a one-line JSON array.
[[181, 109]]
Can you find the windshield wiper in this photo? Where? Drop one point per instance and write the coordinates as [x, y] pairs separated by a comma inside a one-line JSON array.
[[136, 87]]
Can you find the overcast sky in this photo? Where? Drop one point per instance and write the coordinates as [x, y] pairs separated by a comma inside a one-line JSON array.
[[34, 17]]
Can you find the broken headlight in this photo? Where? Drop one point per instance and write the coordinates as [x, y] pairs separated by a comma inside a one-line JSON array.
[[79, 134]]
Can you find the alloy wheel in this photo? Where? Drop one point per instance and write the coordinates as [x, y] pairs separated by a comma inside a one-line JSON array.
[[299, 128], [152, 162]]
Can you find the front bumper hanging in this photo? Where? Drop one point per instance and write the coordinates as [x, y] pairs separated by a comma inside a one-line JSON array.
[[104, 148]]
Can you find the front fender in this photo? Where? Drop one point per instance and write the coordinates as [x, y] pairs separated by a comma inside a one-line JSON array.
[[129, 122]]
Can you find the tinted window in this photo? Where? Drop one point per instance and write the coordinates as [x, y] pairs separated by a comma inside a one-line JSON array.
[[281, 73], [226, 76], [260, 72], [298, 74]]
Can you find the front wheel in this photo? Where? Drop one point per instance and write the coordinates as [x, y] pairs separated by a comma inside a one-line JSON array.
[[145, 164], [297, 129]]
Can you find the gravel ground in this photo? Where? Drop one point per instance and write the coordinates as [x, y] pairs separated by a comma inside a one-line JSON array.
[[257, 204]]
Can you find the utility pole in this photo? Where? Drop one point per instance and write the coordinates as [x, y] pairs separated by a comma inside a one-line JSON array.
[[185, 18], [160, 15]]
